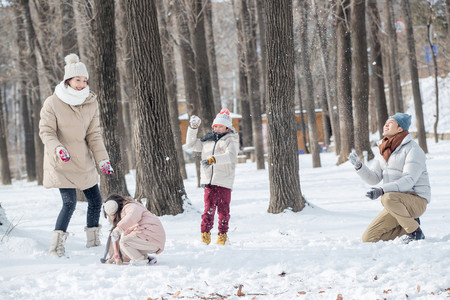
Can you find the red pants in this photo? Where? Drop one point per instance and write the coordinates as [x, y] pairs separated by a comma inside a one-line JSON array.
[[220, 197]]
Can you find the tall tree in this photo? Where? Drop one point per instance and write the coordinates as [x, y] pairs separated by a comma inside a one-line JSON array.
[[436, 73], [202, 74], [243, 92], [69, 32], [30, 159], [211, 48], [156, 155], [412, 62], [4, 162], [165, 21], [376, 64], [310, 100], [34, 92], [251, 62], [344, 79], [262, 46], [394, 72], [283, 154], [105, 71], [324, 59], [360, 79]]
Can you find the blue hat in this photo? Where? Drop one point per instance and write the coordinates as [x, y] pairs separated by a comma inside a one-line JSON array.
[[404, 120]]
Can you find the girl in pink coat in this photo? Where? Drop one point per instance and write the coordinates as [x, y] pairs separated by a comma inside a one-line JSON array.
[[138, 231]]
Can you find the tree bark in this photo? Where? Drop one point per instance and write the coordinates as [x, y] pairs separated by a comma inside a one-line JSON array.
[[105, 71], [421, 134], [4, 162], [310, 100], [69, 32], [344, 79], [156, 155], [30, 159], [251, 59], [360, 80], [34, 93], [202, 74], [210, 45], [284, 176], [395, 83], [171, 81], [376, 64], [262, 45], [436, 74]]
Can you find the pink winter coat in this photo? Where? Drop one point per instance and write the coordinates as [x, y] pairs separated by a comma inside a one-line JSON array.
[[136, 218]]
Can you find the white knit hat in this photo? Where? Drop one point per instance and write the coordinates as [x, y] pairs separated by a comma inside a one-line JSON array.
[[223, 118], [74, 67], [110, 207]]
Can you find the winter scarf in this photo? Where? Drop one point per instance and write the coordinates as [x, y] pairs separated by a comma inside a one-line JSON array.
[[71, 96], [388, 145], [212, 136]]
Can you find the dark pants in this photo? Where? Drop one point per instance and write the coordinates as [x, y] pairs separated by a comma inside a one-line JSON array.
[[69, 198], [220, 197]]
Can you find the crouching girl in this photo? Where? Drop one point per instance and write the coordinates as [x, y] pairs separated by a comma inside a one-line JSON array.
[[137, 230]]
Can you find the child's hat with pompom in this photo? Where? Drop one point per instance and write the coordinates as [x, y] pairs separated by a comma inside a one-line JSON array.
[[74, 67], [223, 118]]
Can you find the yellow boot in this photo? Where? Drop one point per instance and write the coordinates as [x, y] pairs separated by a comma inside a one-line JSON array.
[[221, 238], [206, 237]]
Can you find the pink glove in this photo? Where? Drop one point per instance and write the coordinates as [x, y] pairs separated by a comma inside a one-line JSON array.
[[63, 154], [106, 168]]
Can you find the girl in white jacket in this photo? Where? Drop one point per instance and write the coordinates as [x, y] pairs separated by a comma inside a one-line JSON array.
[[219, 150]]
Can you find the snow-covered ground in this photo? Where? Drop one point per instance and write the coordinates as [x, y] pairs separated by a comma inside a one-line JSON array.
[[314, 254]]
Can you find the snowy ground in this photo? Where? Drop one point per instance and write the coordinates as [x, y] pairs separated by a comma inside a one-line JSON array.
[[314, 254]]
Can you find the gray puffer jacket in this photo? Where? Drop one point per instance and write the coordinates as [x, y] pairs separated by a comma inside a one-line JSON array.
[[405, 171]]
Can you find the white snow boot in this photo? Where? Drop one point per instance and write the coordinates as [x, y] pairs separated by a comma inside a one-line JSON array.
[[93, 236], [57, 246]]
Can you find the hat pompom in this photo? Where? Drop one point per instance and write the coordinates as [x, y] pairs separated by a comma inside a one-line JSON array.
[[224, 111], [72, 59]]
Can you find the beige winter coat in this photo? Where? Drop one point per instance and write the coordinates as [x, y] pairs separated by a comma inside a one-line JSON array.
[[224, 151], [76, 128]]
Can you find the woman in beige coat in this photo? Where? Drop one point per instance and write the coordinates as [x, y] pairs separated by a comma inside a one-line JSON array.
[[70, 130]]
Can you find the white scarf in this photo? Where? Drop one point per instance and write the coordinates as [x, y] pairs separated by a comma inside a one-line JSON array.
[[71, 96]]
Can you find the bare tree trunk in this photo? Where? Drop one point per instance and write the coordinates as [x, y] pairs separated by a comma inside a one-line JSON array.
[[393, 58], [159, 175], [251, 58], [421, 134], [376, 64], [204, 86], [34, 93], [360, 80], [262, 44], [4, 162], [105, 70], [209, 31], [188, 66], [334, 120], [243, 95], [284, 175], [447, 6], [344, 89], [69, 33], [436, 74], [171, 81], [30, 158], [310, 101]]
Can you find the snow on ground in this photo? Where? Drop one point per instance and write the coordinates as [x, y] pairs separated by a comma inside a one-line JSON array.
[[314, 254]]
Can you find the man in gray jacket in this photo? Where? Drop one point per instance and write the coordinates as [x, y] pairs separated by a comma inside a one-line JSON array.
[[405, 191]]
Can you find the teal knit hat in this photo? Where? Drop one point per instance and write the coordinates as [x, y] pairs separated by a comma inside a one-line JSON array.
[[404, 120]]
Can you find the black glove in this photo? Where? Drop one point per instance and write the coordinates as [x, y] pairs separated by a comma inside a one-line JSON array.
[[374, 193]]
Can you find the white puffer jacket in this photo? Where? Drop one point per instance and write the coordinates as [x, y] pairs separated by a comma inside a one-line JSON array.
[[225, 152], [405, 171]]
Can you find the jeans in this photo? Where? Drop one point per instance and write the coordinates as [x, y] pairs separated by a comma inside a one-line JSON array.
[[69, 198]]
